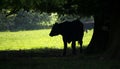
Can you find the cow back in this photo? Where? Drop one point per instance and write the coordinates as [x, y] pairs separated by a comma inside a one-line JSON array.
[[72, 30]]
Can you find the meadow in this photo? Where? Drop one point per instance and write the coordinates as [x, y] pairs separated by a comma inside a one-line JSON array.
[[35, 49], [34, 39]]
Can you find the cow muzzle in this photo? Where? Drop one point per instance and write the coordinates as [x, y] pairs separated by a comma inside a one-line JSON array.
[[50, 35]]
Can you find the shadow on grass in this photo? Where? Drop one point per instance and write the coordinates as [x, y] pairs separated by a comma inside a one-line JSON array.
[[46, 52], [24, 59]]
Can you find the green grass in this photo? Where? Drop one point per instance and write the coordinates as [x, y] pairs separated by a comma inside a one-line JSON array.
[[33, 39], [45, 52]]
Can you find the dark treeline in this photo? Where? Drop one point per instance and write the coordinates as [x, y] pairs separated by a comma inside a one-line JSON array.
[[24, 20], [31, 20]]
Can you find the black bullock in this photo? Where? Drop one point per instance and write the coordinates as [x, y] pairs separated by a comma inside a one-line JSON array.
[[71, 32]]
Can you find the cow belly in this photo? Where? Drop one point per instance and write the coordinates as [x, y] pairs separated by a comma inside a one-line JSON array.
[[72, 38]]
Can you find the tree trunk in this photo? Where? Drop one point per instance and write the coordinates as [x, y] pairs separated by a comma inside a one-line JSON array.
[[107, 40], [100, 35], [114, 39]]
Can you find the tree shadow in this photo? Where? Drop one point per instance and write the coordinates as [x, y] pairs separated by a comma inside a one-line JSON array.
[[46, 52]]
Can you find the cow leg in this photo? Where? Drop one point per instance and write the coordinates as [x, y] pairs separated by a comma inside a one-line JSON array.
[[74, 47], [65, 48], [80, 42]]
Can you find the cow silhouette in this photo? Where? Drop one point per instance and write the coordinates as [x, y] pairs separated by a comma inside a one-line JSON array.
[[71, 32]]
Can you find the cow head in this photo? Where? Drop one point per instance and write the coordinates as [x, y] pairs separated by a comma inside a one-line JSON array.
[[55, 30]]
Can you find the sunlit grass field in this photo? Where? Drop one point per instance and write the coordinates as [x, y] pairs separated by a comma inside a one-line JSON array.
[[40, 39], [34, 39]]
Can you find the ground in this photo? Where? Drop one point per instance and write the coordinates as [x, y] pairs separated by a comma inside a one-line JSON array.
[[36, 50], [52, 58]]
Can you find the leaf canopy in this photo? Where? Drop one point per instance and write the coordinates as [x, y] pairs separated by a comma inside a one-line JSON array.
[[79, 7]]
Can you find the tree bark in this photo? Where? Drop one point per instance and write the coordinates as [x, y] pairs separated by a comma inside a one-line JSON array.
[[107, 40], [100, 35], [114, 39]]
